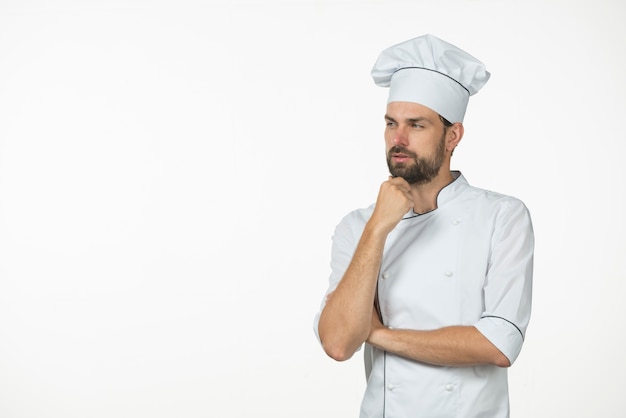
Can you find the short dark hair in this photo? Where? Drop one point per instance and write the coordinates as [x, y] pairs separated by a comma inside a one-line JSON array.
[[446, 125], [446, 122]]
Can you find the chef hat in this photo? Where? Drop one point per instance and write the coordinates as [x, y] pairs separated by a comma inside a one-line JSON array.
[[431, 72]]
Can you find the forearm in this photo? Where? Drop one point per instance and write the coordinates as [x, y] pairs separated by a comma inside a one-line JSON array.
[[448, 346], [346, 318], [345, 321]]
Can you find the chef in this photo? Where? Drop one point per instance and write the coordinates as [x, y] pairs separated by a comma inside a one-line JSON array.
[[435, 278]]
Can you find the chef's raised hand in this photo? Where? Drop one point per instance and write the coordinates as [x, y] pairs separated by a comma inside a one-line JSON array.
[[393, 202]]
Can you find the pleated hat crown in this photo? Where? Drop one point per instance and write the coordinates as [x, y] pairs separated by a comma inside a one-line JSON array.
[[431, 72]]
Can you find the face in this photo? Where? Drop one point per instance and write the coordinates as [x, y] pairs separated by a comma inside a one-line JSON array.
[[415, 139]]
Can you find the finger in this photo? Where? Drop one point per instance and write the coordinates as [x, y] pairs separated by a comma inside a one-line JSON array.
[[398, 181], [402, 185]]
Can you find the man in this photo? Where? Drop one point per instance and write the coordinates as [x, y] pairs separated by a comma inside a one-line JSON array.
[[435, 277]]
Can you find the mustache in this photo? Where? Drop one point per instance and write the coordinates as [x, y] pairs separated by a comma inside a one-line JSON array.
[[400, 150]]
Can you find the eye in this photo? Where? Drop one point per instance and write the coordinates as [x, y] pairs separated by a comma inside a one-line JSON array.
[[417, 126]]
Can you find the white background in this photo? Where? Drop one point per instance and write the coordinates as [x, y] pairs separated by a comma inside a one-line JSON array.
[[171, 173]]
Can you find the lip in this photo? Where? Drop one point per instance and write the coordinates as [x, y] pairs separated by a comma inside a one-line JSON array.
[[400, 157]]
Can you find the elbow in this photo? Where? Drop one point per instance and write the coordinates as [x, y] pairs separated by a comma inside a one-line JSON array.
[[502, 361], [336, 343], [339, 355], [337, 352], [504, 364]]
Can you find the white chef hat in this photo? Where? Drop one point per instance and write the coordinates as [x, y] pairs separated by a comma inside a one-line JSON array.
[[431, 72]]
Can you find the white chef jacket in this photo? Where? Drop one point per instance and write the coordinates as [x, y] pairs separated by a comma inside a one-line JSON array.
[[468, 262]]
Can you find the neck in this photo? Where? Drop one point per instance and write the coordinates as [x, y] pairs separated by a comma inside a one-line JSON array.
[[425, 195]]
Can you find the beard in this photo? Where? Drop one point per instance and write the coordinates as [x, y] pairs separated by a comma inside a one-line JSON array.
[[419, 170]]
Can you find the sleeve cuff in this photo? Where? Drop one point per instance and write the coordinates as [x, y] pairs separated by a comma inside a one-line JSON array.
[[503, 334]]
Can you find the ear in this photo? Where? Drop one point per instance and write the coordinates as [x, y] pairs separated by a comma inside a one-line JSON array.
[[454, 136]]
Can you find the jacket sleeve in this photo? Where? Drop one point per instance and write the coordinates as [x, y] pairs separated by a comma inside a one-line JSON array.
[[344, 242], [508, 285]]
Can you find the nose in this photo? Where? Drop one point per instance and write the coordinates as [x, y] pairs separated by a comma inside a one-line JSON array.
[[400, 137]]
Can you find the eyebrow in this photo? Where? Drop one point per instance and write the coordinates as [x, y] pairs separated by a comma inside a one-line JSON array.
[[410, 120]]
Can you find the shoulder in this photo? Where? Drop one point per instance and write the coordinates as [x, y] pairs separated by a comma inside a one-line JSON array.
[[353, 223], [494, 199], [358, 217], [462, 195], [493, 208]]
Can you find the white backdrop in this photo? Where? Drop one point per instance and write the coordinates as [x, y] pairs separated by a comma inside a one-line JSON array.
[[171, 173]]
